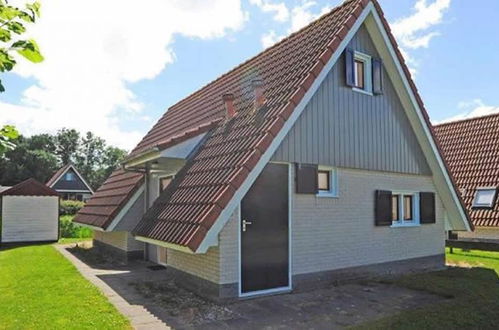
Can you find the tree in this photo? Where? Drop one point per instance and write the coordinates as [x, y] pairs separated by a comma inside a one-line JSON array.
[[111, 161], [90, 155], [26, 161], [12, 26], [67, 142], [8, 134]]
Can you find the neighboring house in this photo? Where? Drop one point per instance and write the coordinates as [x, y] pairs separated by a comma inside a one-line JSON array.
[[29, 213], [311, 162], [471, 148], [70, 185]]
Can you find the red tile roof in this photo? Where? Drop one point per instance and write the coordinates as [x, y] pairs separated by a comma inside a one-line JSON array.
[[109, 199], [188, 208], [190, 205], [29, 187], [471, 149]]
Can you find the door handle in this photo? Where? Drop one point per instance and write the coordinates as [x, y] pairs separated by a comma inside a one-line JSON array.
[[245, 223]]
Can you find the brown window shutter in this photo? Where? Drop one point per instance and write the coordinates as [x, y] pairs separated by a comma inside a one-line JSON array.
[[383, 208], [306, 178], [377, 68], [349, 71], [427, 207]]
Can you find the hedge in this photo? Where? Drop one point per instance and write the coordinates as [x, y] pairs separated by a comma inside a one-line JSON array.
[[70, 207]]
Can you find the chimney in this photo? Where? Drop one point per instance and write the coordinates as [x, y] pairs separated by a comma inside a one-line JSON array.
[[230, 110], [259, 94]]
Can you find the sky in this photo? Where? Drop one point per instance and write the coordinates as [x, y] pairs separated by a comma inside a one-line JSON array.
[[113, 67]]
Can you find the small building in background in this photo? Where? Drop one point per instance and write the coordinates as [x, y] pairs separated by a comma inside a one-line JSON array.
[[70, 184], [29, 213]]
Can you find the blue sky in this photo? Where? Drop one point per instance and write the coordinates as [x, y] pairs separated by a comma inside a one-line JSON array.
[[451, 46]]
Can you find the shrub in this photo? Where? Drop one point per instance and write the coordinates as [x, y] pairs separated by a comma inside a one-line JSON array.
[[70, 207], [72, 230]]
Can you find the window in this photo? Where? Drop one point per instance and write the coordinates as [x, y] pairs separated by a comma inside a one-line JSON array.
[[395, 207], [362, 73], [324, 180], [359, 74], [327, 182], [69, 176], [485, 197], [405, 209]]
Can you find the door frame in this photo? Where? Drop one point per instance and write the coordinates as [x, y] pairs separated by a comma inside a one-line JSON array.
[[290, 277]]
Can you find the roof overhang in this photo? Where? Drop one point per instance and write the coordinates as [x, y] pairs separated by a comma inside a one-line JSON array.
[[169, 159], [457, 215]]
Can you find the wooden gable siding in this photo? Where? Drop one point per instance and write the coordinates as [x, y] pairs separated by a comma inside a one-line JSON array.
[[344, 128], [76, 184]]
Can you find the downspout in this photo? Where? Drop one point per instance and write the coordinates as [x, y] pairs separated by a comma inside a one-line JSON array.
[[146, 202]]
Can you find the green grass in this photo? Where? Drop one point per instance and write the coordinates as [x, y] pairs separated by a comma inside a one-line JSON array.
[[73, 240], [40, 289], [473, 296]]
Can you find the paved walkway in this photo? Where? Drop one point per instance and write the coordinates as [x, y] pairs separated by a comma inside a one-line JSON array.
[[140, 318], [139, 291]]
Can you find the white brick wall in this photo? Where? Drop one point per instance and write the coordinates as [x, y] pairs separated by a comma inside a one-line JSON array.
[[120, 239], [334, 233], [30, 218], [219, 263], [481, 232]]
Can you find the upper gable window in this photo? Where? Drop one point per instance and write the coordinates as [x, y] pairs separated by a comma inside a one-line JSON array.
[[363, 72], [69, 176], [485, 197]]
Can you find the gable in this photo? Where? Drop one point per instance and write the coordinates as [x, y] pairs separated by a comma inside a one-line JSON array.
[[344, 128], [74, 184]]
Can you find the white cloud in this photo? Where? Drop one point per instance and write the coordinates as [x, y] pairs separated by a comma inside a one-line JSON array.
[[281, 12], [93, 52], [270, 38], [298, 17], [472, 109], [415, 31]]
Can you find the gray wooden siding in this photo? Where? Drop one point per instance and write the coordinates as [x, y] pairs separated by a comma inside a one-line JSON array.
[[344, 128]]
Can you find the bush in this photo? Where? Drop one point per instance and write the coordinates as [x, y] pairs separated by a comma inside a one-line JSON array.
[[70, 207], [72, 230]]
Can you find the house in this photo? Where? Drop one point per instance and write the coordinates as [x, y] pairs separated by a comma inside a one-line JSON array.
[[18, 222], [471, 148], [70, 184], [311, 162]]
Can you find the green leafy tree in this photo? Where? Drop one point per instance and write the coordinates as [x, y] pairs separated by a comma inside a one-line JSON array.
[[8, 134], [67, 144], [90, 156], [27, 161], [13, 22], [112, 159]]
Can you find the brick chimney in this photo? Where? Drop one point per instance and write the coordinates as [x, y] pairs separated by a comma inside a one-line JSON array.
[[230, 110]]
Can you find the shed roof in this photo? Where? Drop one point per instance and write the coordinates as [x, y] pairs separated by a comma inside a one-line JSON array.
[[471, 149], [29, 187]]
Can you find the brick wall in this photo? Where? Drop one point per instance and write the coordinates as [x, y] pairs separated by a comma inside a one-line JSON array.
[[334, 233], [218, 264], [120, 239]]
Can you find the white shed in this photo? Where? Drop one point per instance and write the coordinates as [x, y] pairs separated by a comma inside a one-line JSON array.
[[29, 213]]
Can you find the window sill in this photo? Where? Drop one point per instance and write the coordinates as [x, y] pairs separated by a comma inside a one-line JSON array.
[[326, 195], [403, 225], [362, 91]]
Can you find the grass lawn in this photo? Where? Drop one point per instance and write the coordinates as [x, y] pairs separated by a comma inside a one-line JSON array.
[[73, 240], [40, 289], [473, 293]]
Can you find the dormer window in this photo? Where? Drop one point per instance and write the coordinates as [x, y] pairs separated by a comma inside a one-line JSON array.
[[485, 197]]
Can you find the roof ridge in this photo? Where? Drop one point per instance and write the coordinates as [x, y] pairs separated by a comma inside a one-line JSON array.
[[466, 119], [266, 50]]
